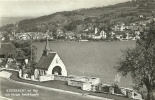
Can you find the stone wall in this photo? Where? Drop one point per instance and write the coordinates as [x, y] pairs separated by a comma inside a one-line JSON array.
[[62, 78], [85, 83], [130, 93], [86, 87], [46, 78], [75, 83], [91, 80]]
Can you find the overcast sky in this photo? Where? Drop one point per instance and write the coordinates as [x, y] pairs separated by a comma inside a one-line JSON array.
[[35, 8]]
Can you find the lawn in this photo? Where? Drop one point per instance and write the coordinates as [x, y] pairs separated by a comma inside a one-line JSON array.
[[95, 59]]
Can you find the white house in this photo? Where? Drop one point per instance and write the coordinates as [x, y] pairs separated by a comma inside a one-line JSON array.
[[103, 34], [100, 34], [96, 30], [120, 26]]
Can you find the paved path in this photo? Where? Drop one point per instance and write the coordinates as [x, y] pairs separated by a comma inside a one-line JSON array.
[[5, 84], [43, 93]]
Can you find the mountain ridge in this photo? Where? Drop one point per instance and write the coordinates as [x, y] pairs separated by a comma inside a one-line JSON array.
[[127, 12]]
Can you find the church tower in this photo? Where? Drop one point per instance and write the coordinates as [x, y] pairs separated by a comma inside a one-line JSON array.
[[47, 49]]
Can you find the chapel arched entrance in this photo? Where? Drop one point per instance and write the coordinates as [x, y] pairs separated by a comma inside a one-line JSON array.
[[57, 70]]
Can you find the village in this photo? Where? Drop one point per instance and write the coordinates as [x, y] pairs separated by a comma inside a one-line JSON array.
[[120, 31]]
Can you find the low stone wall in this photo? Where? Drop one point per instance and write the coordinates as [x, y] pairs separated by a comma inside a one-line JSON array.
[[91, 80], [130, 93], [25, 76], [62, 78], [84, 82], [86, 87], [46, 78], [96, 88], [75, 83]]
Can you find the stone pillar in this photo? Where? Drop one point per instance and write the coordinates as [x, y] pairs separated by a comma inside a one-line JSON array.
[[6, 66], [25, 76], [32, 77], [111, 90], [26, 61], [130, 94], [93, 88], [36, 73], [124, 91], [20, 73]]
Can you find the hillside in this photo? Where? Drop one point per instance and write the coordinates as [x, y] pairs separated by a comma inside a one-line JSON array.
[[77, 20], [11, 20]]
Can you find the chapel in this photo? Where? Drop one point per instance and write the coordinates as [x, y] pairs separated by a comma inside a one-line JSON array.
[[49, 64]]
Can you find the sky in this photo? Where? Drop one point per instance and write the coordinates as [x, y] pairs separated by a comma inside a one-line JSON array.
[[36, 8]]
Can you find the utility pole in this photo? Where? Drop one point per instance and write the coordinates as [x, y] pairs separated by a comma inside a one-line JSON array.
[[31, 49], [31, 46]]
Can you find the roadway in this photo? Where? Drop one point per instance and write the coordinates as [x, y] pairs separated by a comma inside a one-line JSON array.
[[17, 91]]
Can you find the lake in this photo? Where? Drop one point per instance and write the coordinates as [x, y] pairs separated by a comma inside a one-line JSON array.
[[96, 59]]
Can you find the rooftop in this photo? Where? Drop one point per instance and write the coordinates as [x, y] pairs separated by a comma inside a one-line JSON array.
[[45, 61]]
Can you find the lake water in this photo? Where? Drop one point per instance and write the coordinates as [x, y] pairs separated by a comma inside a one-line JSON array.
[[96, 59]]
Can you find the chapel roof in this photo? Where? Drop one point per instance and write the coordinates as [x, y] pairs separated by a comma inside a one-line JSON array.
[[45, 61]]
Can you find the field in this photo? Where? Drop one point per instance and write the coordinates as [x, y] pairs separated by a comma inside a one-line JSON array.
[[95, 59]]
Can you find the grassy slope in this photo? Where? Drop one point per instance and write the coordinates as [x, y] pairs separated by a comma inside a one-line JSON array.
[[90, 59]]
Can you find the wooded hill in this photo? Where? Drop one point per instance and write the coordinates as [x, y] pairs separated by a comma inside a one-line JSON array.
[[127, 12]]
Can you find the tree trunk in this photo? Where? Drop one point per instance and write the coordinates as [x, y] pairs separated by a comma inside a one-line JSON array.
[[150, 94]]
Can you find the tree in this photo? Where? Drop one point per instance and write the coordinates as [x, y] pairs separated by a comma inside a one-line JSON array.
[[3, 63], [140, 61], [23, 49]]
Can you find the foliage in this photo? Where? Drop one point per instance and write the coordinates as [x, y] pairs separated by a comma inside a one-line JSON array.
[[70, 27], [68, 13], [140, 61], [116, 81], [29, 68], [8, 26], [3, 63], [23, 50]]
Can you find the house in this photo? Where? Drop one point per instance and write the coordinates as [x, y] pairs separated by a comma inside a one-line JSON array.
[[60, 32], [112, 34], [49, 64], [120, 26], [141, 16], [22, 36], [103, 34], [69, 35], [99, 34], [137, 34], [96, 30], [6, 49], [11, 37], [120, 34]]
